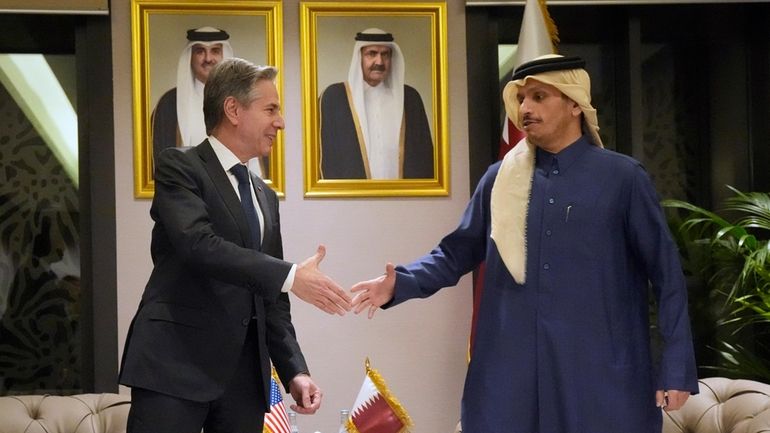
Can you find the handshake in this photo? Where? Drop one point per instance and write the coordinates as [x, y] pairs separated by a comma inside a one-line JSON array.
[[316, 288]]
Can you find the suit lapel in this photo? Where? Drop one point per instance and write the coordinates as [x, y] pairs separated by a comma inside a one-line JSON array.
[[264, 206], [225, 189]]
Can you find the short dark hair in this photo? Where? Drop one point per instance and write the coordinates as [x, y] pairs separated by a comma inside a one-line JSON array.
[[231, 77]]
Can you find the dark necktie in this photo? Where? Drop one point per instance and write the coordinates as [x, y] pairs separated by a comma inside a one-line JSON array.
[[241, 173]]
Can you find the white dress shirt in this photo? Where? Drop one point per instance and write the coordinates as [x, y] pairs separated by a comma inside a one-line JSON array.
[[228, 159]]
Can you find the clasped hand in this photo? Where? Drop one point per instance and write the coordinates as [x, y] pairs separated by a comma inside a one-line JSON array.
[[374, 293], [316, 288]]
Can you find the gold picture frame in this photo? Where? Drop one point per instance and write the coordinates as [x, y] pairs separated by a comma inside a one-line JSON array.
[[158, 36], [327, 33]]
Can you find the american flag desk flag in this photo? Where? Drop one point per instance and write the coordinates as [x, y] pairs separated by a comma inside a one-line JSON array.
[[376, 410], [277, 421]]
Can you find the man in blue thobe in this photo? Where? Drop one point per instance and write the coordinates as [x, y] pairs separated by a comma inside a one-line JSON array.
[[573, 237]]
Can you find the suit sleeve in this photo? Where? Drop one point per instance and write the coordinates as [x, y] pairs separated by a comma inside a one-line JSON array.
[[285, 352], [182, 213], [282, 344]]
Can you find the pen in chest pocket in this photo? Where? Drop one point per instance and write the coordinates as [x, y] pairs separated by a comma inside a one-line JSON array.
[[566, 213]]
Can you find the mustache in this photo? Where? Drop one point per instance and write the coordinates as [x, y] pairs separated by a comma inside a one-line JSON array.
[[379, 68]]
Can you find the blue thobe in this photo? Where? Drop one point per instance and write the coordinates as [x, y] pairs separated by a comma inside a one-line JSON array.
[[569, 350]]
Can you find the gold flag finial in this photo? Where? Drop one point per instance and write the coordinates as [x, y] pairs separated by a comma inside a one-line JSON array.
[[368, 366]]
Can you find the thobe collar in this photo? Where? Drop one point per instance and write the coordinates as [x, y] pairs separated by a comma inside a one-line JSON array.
[[509, 201], [547, 162]]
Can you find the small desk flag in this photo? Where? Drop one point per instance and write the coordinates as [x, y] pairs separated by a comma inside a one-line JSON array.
[[376, 410], [277, 421]]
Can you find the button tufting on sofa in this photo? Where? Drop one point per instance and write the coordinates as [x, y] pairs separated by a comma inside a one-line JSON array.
[[723, 406], [82, 413]]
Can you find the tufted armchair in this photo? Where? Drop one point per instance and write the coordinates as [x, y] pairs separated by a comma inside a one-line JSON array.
[[83, 413], [723, 406]]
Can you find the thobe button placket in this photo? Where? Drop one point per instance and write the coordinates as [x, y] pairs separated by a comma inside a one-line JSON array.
[[546, 266], [551, 200], [556, 171], [548, 233], [245, 322]]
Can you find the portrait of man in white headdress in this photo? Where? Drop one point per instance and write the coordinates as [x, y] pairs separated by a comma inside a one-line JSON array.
[[175, 47], [177, 119], [373, 125]]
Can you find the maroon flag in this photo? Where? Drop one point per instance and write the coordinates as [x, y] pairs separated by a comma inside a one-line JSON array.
[[376, 410], [510, 136]]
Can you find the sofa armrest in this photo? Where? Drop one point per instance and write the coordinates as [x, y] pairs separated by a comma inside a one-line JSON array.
[[723, 406]]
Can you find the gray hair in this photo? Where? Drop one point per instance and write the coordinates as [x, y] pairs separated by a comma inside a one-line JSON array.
[[231, 77]]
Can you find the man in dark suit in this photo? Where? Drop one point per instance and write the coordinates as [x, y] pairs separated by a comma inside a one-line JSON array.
[[215, 311]]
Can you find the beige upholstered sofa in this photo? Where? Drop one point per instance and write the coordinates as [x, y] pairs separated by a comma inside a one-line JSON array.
[[83, 413], [722, 406]]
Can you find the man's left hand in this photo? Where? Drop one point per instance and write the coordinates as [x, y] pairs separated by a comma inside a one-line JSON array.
[[671, 399], [306, 393]]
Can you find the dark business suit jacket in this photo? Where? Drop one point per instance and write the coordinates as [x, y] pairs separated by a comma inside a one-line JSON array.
[[207, 284]]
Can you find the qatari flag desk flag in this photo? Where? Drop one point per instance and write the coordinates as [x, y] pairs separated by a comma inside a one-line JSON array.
[[376, 410]]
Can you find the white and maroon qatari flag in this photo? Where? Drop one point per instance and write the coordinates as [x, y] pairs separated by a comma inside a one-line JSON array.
[[376, 410]]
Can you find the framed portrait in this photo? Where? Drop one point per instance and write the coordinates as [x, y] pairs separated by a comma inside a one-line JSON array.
[[374, 93], [173, 46]]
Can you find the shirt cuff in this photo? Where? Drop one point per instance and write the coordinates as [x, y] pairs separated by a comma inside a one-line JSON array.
[[289, 279]]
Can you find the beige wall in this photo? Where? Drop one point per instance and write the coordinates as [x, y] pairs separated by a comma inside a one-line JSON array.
[[418, 347]]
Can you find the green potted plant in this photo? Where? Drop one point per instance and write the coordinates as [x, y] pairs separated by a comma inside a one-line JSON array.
[[727, 258]]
